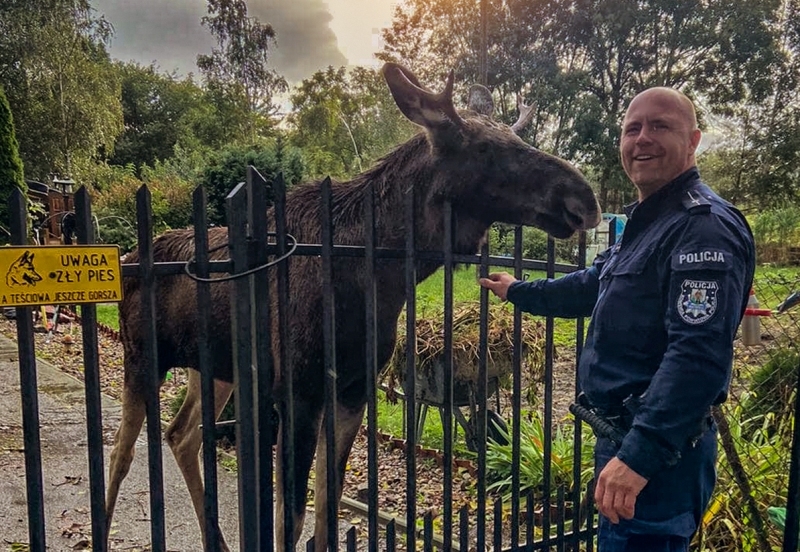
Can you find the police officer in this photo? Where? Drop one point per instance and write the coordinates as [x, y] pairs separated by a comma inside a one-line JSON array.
[[665, 303]]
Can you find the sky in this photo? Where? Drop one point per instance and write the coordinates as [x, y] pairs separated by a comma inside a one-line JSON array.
[[311, 34]]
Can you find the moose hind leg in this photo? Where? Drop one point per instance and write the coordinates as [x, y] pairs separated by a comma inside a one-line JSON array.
[[133, 413], [348, 422], [185, 437]]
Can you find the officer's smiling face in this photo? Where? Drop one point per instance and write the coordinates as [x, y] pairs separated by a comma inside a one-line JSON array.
[[659, 138]]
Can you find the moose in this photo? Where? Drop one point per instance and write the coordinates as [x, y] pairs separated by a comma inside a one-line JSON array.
[[482, 167]]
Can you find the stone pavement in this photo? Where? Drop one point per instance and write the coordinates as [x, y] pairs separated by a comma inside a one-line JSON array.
[[65, 471]]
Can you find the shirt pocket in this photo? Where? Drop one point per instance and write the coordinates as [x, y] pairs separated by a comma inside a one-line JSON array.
[[631, 313]]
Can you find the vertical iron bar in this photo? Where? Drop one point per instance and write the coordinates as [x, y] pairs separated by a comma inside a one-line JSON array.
[[427, 539], [529, 520], [351, 543], [329, 340], [149, 330], [204, 310], [463, 529], [561, 510], [590, 527], [372, 368], [91, 375], [447, 467], [498, 525], [548, 400], [483, 346], [261, 338], [28, 389], [790, 532], [516, 396], [411, 368], [577, 443], [236, 203], [391, 536], [287, 475]]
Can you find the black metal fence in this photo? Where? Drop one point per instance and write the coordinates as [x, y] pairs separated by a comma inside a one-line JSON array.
[[549, 515]]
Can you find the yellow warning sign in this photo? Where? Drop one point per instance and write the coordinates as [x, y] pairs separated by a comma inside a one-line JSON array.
[[54, 275]]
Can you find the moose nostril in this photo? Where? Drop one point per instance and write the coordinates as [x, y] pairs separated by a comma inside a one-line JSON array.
[[575, 221], [581, 215]]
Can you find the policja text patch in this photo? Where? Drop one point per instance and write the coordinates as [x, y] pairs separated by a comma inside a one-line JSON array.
[[698, 301]]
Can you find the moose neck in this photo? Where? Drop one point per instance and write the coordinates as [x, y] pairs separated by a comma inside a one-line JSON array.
[[413, 165]]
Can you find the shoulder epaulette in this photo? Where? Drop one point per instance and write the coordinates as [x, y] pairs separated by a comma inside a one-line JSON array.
[[695, 203]]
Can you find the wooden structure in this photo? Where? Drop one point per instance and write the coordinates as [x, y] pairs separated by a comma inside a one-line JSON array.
[[57, 202]]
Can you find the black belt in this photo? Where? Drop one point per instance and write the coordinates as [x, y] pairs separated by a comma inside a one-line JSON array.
[[614, 423]]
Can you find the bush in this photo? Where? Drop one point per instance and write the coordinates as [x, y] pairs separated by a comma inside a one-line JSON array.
[[116, 205], [775, 231], [229, 168], [534, 244], [499, 458], [771, 387]]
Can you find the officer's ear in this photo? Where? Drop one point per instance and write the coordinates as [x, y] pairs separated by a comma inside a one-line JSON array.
[[694, 140]]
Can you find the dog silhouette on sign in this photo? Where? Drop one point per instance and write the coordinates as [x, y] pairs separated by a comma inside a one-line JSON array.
[[22, 273]]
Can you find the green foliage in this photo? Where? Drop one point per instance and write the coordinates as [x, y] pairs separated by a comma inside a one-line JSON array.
[[762, 448], [774, 231], [237, 72], [534, 243], [499, 458], [771, 386], [115, 205], [161, 114], [11, 176], [344, 121], [229, 168], [59, 82]]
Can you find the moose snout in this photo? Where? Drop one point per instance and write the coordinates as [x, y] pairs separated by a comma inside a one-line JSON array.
[[582, 214]]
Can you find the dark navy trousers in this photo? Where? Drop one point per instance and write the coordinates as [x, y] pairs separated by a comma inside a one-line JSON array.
[[670, 507]]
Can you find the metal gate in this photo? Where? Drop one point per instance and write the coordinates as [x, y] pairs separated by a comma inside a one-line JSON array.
[[552, 517]]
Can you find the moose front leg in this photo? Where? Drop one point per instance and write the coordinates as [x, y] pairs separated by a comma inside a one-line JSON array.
[[306, 423], [348, 422]]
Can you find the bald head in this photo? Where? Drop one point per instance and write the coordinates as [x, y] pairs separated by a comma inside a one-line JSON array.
[[659, 138], [683, 105]]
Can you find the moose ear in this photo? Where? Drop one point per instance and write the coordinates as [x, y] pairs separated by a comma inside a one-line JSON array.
[[480, 100], [418, 104]]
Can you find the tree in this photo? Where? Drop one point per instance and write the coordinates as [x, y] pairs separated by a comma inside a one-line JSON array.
[[582, 60], [756, 159], [237, 73], [59, 81], [343, 121], [161, 112], [11, 175]]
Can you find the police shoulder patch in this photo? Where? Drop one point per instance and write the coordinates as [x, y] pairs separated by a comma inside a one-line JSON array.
[[697, 301]]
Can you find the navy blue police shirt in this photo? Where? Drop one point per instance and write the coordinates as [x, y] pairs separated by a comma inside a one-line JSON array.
[[665, 303]]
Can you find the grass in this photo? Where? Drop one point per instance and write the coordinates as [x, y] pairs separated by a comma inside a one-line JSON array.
[[108, 315]]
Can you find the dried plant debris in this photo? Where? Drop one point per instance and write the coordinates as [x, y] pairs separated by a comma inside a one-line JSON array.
[[430, 346]]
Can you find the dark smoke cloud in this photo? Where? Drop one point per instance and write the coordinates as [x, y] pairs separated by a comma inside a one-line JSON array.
[[306, 42], [169, 34]]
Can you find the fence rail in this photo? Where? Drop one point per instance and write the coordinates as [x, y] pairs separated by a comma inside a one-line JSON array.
[[761, 446]]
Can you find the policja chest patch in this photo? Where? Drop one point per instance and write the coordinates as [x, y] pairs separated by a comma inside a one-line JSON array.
[[698, 301]]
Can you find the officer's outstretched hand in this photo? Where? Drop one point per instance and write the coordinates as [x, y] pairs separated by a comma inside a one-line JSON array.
[[616, 490], [498, 283]]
